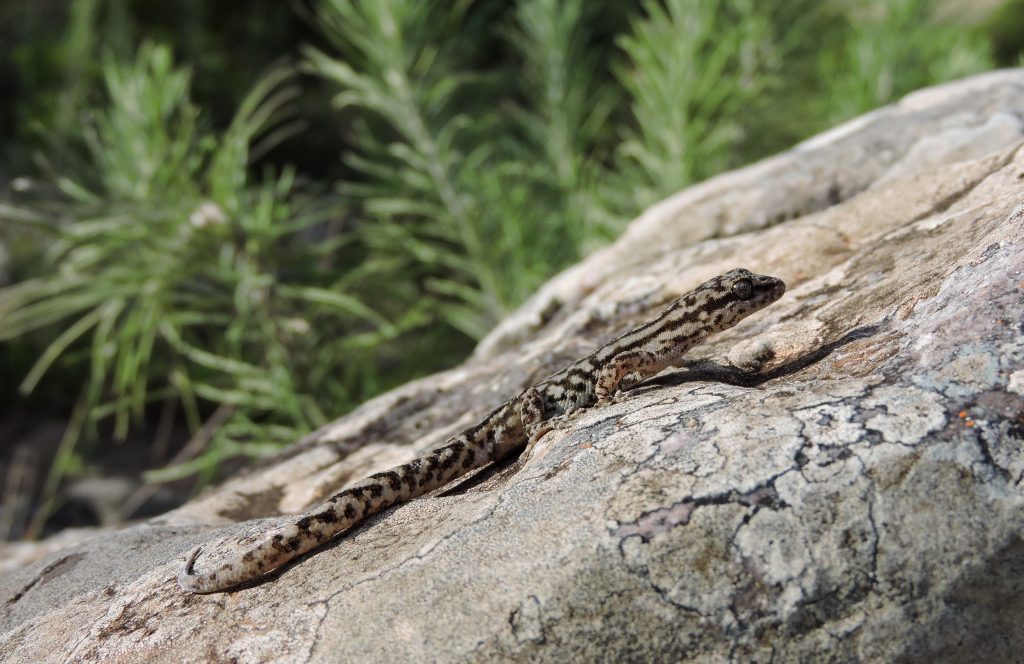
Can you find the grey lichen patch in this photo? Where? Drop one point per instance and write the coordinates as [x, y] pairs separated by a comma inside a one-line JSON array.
[[685, 405], [647, 491], [691, 450], [822, 526], [830, 424], [663, 519], [775, 547], [1005, 445], [707, 560], [749, 459], [925, 546], [887, 464], [972, 370], [798, 396], [910, 413], [646, 442]]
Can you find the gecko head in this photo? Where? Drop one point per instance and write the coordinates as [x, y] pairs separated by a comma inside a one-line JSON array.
[[738, 293]]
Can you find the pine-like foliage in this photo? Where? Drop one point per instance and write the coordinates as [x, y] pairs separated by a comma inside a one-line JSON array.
[[181, 280], [490, 144], [473, 190], [891, 48]]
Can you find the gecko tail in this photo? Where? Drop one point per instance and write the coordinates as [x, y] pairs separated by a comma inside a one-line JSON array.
[[222, 578], [219, 579], [313, 528], [188, 580], [266, 556]]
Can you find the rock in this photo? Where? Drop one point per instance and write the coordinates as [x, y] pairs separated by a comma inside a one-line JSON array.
[[840, 476]]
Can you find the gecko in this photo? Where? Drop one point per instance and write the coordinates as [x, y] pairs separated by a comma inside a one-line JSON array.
[[640, 353]]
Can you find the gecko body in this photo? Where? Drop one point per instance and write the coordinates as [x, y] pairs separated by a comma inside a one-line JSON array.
[[715, 305]]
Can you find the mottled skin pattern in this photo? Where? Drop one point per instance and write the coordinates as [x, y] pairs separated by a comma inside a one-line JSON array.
[[713, 306]]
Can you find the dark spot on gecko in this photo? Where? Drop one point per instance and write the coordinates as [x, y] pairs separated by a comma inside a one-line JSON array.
[[580, 373], [494, 416], [376, 490], [327, 516], [354, 492], [393, 480], [669, 326], [350, 511]]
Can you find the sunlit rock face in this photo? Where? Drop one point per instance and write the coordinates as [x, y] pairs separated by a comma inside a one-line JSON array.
[[840, 476]]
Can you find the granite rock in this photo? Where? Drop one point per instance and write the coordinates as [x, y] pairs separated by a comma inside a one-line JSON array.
[[840, 477]]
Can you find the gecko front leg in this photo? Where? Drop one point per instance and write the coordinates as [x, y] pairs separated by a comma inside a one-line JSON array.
[[531, 413], [535, 421], [639, 365]]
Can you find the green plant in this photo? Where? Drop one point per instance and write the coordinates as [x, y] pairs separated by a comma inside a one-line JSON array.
[[488, 144], [179, 279], [568, 101], [474, 191], [483, 185], [689, 83], [893, 47]]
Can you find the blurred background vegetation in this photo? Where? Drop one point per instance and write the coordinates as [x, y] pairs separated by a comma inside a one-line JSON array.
[[221, 229]]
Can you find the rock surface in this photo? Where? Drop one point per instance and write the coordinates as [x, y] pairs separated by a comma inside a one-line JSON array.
[[839, 477]]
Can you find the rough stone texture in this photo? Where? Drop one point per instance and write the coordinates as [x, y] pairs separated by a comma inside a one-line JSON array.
[[840, 477]]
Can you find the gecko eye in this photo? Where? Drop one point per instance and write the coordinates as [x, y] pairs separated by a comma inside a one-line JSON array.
[[743, 289]]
